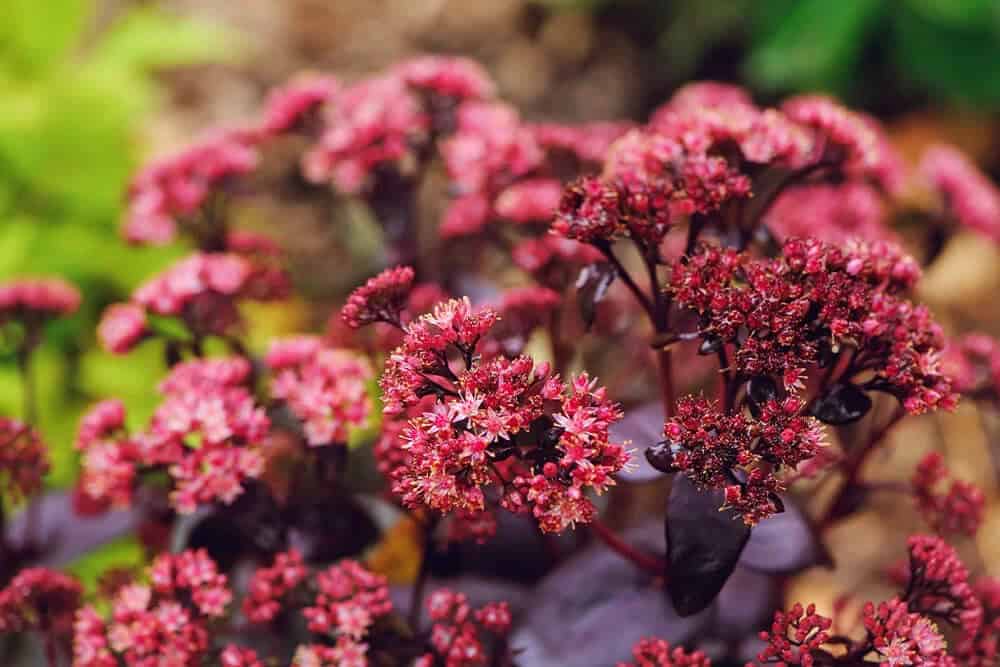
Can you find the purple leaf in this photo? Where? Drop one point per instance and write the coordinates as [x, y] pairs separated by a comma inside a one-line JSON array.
[[703, 545], [745, 604], [595, 607], [643, 426], [66, 536], [592, 286], [784, 543]]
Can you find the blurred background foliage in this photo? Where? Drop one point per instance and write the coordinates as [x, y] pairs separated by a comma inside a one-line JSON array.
[[89, 88]]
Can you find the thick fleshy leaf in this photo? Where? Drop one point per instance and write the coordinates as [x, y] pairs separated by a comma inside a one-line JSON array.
[[592, 286], [703, 545], [595, 607], [842, 404], [65, 535], [783, 543], [642, 427]]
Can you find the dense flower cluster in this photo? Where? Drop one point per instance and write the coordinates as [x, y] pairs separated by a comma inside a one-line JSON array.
[[835, 213], [39, 599], [462, 636], [739, 453], [235, 656], [901, 637], [794, 635], [164, 622], [957, 507], [939, 585], [812, 302], [326, 388], [658, 653], [381, 299], [35, 300], [287, 108], [973, 363], [24, 460], [172, 190], [982, 649], [350, 599], [205, 433], [269, 585], [496, 412], [967, 195]]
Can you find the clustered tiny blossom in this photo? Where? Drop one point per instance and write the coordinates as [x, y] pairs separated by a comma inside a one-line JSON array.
[[794, 635], [24, 460], [835, 213], [709, 447], [381, 299], [327, 388], [350, 599], [236, 656], [491, 425], [269, 586], [109, 455], [32, 301], [287, 107], [462, 636], [901, 637], [957, 507], [967, 195], [939, 585], [652, 652], [39, 599]]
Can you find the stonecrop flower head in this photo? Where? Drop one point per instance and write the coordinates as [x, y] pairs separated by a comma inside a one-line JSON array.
[[109, 456], [163, 622], [462, 636], [326, 388], [349, 600], [901, 637], [503, 423], [967, 196], [34, 301], [939, 585], [982, 649], [740, 454], [202, 290], [381, 299], [39, 599], [171, 191], [794, 635], [835, 213], [24, 461], [810, 304], [291, 106], [653, 652], [269, 586], [957, 507]]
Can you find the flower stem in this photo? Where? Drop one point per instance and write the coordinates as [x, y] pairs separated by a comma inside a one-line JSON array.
[[852, 471], [644, 561], [667, 383], [640, 296]]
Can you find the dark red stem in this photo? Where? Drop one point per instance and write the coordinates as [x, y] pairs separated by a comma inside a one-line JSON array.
[[644, 561]]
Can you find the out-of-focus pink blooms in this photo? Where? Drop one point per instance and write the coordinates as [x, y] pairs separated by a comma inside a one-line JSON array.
[[447, 77], [548, 253], [269, 585], [939, 585], [326, 388], [461, 636], [237, 656], [380, 299], [966, 193], [288, 106], [465, 216], [652, 652], [589, 142], [983, 648], [109, 456], [122, 326], [534, 200], [344, 653], [39, 599], [902, 637], [24, 460], [34, 300], [174, 187], [832, 213], [957, 507], [349, 600], [973, 363]]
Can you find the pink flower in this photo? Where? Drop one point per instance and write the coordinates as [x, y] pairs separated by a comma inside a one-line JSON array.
[[236, 656], [289, 106], [461, 636], [966, 193], [831, 213], [448, 77], [122, 326], [794, 635], [35, 300], [380, 299], [532, 200], [349, 600], [588, 142], [24, 460], [39, 599], [954, 508], [269, 585], [653, 652]]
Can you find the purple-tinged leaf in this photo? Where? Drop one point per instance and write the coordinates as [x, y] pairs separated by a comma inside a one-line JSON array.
[[593, 608], [703, 545], [64, 535], [642, 426], [842, 404], [592, 286], [784, 543]]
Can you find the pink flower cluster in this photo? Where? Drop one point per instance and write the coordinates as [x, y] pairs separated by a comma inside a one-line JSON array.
[[172, 190], [492, 425], [345, 653], [835, 213], [709, 447], [288, 108], [381, 299], [24, 460], [326, 388], [653, 652], [817, 295], [164, 622], [967, 195], [39, 599], [236, 656], [957, 507], [973, 363], [269, 586], [983, 648], [34, 300], [205, 433], [349, 600], [794, 636], [461, 636], [901, 637], [939, 585]]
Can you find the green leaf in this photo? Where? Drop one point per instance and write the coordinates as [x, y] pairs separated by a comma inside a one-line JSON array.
[[973, 14], [37, 35], [815, 45], [124, 553]]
